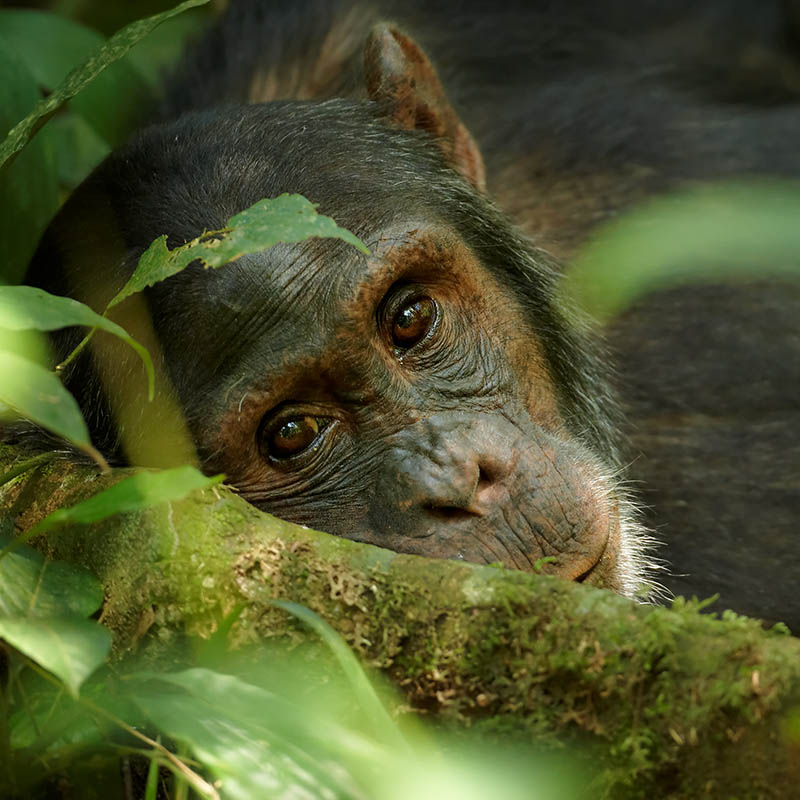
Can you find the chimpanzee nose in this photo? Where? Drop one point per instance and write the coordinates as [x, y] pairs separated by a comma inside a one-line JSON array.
[[450, 465]]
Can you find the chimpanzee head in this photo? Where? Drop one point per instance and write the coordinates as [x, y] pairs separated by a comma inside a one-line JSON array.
[[435, 397]]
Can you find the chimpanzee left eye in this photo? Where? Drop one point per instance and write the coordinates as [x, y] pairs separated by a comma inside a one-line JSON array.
[[413, 321], [291, 436]]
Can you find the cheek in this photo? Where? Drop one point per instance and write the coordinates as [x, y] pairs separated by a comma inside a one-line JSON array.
[[532, 385]]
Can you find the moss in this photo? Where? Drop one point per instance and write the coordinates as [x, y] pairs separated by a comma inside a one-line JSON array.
[[656, 702]]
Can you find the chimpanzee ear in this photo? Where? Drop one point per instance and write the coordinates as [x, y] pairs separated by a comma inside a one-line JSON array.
[[401, 78]]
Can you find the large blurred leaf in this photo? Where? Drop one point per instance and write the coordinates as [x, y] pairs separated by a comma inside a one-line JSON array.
[[78, 148], [29, 308], [28, 188], [722, 232], [80, 77], [51, 45], [288, 218], [139, 491], [153, 55], [31, 586], [276, 743], [38, 395], [72, 649]]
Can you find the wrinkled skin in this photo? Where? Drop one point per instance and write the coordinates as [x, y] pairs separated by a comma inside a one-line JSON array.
[[436, 397]]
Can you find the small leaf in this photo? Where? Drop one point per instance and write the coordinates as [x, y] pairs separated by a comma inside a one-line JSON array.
[[72, 649], [29, 308], [288, 218], [32, 586], [106, 54], [139, 491], [38, 395]]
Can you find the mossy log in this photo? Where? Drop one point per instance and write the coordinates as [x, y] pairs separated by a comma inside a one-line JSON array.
[[662, 703]]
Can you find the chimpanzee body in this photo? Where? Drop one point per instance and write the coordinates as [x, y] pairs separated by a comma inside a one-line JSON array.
[[494, 436]]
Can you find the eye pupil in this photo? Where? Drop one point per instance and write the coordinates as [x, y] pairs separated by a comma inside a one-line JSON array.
[[413, 321], [292, 437]]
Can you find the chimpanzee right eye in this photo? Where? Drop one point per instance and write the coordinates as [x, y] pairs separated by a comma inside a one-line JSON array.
[[290, 437], [413, 321]]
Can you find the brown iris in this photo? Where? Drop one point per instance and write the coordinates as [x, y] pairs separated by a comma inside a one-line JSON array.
[[413, 321], [291, 437]]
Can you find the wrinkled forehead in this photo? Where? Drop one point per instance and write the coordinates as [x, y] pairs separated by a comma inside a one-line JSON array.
[[255, 318]]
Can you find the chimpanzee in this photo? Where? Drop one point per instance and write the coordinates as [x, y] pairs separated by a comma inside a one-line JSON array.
[[440, 396]]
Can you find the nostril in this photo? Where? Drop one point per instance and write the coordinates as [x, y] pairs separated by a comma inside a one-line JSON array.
[[484, 479]]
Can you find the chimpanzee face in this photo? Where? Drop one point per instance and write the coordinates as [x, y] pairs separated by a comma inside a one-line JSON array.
[[434, 397]]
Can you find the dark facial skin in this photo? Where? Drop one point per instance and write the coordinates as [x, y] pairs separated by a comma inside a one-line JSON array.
[[410, 406]]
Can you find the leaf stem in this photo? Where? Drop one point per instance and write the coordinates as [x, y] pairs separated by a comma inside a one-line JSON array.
[[98, 458], [74, 354]]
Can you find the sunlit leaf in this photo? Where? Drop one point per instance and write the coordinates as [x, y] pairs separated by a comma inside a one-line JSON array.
[[384, 726], [72, 649], [81, 76], [139, 491], [28, 188], [51, 45], [38, 395], [256, 742], [26, 307], [288, 218], [718, 233], [31, 586]]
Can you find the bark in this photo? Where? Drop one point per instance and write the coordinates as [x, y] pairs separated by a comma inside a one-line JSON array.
[[659, 702]]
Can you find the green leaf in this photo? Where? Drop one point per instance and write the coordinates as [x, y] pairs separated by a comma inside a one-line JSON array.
[[38, 395], [31, 586], [26, 308], [139, 491], [717, 233], [28, 188], [72, 649], [51, 45], [383, 724], [255, 741], [78, 148], [78, 78], [288, 218], [164, 46]]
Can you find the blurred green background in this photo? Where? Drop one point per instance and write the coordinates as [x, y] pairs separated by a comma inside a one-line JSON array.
[[39, 44]]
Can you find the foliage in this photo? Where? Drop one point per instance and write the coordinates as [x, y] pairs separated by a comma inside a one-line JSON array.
[[724, 232]]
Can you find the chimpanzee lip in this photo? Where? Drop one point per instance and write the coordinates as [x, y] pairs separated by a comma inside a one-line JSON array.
[[589, 572]]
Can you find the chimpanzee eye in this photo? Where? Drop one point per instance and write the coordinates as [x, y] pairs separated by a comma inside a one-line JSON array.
[[290, 437], [413, 321]]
